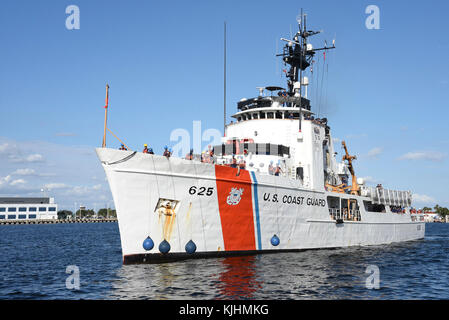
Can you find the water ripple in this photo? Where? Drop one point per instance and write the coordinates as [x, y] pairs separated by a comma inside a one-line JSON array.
[[34, 260]]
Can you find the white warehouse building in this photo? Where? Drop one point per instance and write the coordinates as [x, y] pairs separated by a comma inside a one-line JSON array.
[[15, 208]]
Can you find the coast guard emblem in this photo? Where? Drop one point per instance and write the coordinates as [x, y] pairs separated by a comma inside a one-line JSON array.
[[234, 196]]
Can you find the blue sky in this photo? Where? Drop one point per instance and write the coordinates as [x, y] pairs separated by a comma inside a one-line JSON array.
[[386, 91]]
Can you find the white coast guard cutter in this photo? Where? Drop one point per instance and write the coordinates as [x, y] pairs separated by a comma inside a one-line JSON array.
[[172, 208]]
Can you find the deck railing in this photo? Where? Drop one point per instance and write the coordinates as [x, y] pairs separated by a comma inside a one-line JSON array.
[[337, 214]]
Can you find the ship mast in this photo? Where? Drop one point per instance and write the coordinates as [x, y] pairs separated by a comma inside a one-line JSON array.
[[298, 54], [224, 83]]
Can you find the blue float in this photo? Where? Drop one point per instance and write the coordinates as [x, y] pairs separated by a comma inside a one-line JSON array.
[[275, 240], [190, 247], [164, 246], [148, 244]]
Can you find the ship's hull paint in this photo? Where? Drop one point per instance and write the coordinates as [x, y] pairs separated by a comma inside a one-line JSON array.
[[226, 212]]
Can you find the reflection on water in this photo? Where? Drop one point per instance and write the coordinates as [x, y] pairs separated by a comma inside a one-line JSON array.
[[316, 274], [411, 270], [238, 278]]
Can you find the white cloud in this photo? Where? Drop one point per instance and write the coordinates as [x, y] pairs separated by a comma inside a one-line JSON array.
[[34, 158], [28, 166], [373, 153], [18, 157], [85, 190], [97, 187], [5, 180], [423, 155], [3, 147], [17, 181], [368, 179], [422, 198], [56, 185], [25, 172], [16, 152]]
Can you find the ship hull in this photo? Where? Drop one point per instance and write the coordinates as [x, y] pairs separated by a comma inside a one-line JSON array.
[[203, 210]]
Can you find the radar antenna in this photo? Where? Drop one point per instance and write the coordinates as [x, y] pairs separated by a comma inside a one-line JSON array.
[[299, 55]]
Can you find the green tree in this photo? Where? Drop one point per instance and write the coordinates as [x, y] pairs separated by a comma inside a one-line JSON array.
[[85, 213], [107, 212], [442, 211], [426, 209], [112, 213], [64, 214], [103, 212]]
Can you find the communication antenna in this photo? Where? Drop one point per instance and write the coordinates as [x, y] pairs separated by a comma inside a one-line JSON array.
[[299, 55], [224, 83], [277, 60]]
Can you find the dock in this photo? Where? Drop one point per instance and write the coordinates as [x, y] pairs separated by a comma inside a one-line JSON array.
[[54, 221]]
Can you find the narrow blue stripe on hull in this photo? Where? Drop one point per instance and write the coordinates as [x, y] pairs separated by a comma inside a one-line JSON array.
[[256, 208]]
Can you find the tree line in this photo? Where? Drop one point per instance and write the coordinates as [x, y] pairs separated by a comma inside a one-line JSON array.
[[88, 213], [441, 211]]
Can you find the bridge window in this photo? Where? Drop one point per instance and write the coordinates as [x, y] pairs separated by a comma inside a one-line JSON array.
[[262, 115], [237, 147]]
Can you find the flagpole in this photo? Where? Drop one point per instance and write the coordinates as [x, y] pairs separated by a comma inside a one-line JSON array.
[[105, 115]]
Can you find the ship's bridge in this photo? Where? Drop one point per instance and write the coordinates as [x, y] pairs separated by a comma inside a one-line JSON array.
[[279, 106], [273, 112], [267, 133], [267, 101]]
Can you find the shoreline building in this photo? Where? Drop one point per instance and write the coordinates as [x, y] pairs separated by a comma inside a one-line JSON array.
[[16, 208]]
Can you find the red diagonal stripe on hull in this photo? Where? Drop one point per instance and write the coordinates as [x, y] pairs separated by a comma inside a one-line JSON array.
[[237, 221]]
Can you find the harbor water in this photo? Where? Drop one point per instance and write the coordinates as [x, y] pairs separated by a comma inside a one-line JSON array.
[[36, 263]]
